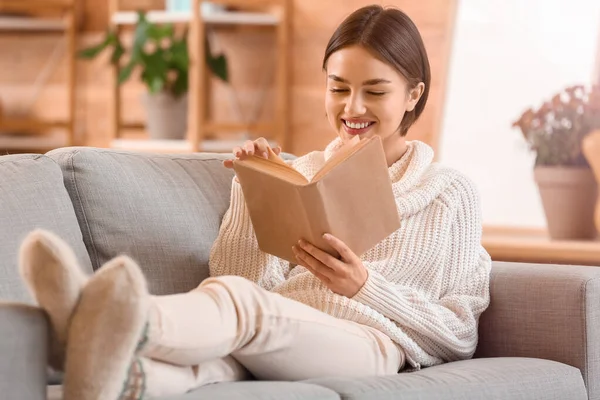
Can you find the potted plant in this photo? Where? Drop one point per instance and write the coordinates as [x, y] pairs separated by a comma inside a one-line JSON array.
[[591, 143], [567, 187], [163, 60]]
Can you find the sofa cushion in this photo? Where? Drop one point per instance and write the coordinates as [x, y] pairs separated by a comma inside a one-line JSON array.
[[258, 390], [486, 378], [32, 195], [544, 311], [162, 210], [243, 391]]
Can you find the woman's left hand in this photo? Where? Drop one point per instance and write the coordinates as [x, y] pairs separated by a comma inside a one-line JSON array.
[[344, 276]]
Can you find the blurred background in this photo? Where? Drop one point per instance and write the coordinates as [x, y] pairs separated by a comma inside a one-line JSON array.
[[192, 75]]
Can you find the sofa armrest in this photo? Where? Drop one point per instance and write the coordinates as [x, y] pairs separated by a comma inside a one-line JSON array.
[[23, 352], [545, 311]]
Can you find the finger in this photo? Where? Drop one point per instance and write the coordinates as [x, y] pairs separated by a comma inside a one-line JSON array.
[[341, 247], [262, 146], [237, 151], [325, 279], [324, 257], [313, 263], [249, 147], [228, 163], [277, 150]]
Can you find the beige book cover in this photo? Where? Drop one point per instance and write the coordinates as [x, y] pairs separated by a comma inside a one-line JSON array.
[[350, 197]]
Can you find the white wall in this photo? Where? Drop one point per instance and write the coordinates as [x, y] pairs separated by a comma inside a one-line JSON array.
[[509, 55]]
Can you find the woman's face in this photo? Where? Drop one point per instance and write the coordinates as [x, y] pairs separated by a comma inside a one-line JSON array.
[[366, 96]]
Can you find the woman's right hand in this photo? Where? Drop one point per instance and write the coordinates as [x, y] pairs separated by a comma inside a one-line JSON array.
[[259, 147]]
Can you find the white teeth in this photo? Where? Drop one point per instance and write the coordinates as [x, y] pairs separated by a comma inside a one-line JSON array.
[[356, 125]]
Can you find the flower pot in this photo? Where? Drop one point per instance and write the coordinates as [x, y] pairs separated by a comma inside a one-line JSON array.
[[591, 150], [569, 196], [166, 115]]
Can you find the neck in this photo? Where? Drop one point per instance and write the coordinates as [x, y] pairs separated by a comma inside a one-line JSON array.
[[394, 147]]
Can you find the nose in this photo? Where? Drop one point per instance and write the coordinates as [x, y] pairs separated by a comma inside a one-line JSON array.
[[355, 105]]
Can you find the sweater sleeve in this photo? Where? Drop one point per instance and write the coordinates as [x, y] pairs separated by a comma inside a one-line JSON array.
[[445, 327], [236, 251]]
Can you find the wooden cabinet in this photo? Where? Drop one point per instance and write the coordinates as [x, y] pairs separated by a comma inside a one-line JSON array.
[[41, 17], [199, 126]]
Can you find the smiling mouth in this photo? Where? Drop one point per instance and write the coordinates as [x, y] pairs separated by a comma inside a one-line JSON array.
[[357, 128]]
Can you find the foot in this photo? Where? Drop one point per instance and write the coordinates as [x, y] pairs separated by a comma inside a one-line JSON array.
[[52, 275], [105, 333]]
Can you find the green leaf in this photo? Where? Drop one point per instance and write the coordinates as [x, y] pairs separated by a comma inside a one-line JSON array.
[[142, 17], [156, 70], [181, 83], [179, 59], [156, 84], [92, 52], [158, 33], [155, 63], [218, 65], [126, 71], [118, 52], [140, 36], [167, 67]]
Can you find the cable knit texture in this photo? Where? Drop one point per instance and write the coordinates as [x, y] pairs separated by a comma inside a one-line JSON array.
[[428, 281]]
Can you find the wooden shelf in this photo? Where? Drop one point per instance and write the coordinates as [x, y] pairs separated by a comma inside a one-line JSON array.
[[534, 245], [200, 129], [217, 18], [176, 146], [42, 16], [31, 24], [35, 6], [32, 142], [27, 125]]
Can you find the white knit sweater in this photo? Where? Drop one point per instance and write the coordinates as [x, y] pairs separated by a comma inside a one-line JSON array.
[[428, 281]]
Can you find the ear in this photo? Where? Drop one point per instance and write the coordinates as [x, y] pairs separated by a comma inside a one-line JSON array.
[[414, 95]]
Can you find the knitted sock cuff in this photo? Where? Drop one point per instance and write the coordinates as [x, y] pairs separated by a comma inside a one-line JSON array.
[[143, 338], [134, 386]]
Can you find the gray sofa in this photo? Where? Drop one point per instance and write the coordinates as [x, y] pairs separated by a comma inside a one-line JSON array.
[[539, 339]]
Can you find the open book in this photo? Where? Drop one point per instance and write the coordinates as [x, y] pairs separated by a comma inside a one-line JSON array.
[[350, 197]]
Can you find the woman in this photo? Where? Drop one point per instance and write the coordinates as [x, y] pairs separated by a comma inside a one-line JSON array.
[[412, 301]]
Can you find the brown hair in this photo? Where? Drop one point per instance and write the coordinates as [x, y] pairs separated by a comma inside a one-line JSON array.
[[392, 37]]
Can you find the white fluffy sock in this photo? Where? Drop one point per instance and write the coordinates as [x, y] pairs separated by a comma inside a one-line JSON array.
[[54, 278], [105, 331]]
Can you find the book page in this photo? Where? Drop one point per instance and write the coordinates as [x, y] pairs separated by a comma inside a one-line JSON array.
[[339, 156], [358, 199], [277, 168], [277, 211]]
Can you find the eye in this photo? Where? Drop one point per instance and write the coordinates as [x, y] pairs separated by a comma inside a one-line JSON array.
[[376, 93], [337, 90]]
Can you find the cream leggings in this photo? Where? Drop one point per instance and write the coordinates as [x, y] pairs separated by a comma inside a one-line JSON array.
[[229, 328]]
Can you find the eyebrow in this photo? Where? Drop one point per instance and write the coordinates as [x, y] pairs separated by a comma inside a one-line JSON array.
[[368, 82]]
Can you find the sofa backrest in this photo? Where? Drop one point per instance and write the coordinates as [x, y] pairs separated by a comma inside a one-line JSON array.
[[162, 210], [32, 195]]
